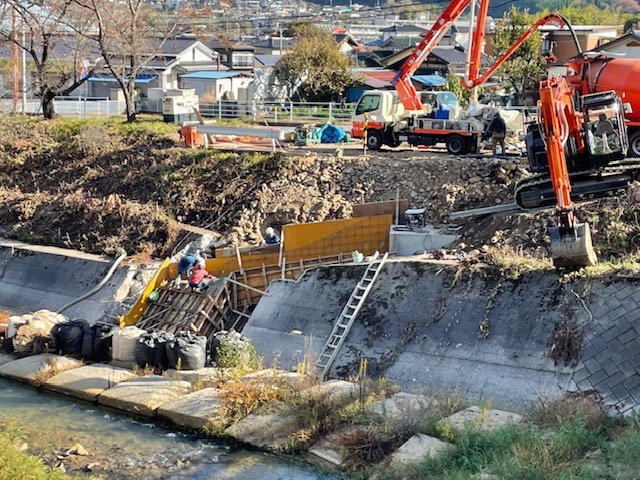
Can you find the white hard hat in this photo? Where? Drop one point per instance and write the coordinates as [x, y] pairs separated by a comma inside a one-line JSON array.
[[270, 231]]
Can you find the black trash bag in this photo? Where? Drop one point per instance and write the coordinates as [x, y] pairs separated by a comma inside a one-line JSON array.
[[187, 351], [102, 343], [68, 337], [151, 349], [88, 338]]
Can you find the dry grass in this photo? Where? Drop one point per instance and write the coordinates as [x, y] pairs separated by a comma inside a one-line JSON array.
[[555, 412]]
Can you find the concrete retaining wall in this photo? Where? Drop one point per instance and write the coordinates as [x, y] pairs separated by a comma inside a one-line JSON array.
[[34, 277], [421, 328]]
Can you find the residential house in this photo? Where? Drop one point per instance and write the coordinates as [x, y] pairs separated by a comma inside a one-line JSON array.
[[627, 45], [274, 45], [559, 40], [234, 55], [176, 57], [211, 86]]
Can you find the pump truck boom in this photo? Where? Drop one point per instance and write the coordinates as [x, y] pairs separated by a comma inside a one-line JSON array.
[[577, 151]]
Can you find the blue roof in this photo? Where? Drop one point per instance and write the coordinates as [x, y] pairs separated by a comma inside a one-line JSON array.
[[430, 80], [107, 77], [210, 75]]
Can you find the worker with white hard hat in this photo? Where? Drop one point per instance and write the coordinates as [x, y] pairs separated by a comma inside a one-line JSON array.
[[271, 237]]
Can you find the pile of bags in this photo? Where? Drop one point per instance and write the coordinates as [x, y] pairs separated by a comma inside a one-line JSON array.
[[45, 331]]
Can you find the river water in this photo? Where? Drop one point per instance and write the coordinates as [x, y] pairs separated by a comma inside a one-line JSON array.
[[121, 447]]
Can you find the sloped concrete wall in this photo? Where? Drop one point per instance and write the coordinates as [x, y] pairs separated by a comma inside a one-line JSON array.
[[34, 278], [421, 328]]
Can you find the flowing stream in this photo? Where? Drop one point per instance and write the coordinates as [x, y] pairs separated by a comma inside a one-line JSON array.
[[123, 447]]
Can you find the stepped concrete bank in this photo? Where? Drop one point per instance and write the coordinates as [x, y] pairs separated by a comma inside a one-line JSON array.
[[36, 277], [428, 329], [175, 401]]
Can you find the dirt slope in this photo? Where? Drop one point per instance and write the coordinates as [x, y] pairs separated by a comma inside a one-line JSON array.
[[96, 184]]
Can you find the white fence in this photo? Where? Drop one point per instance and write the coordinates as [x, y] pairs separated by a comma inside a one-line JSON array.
[[280, 111], [89, 107]]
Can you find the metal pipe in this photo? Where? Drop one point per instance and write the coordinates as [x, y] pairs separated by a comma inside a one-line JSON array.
[[121, 256]]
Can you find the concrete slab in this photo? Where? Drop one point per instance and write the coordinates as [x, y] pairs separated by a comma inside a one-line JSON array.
[[208, 376], [6, 358], [193, 410], [418, 447], [291, 377], [89, 381], [330, 447], [337, 388], [143, 396], [486, 419], [270, 431], [400, 405], [38, 368]]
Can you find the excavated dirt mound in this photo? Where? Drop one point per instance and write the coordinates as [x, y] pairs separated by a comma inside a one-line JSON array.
[[95, 185]]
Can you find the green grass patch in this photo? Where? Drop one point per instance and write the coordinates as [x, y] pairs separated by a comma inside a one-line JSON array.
[[15, 464]]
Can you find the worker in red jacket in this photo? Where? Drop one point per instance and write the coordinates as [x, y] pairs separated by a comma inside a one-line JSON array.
[[199, 278]]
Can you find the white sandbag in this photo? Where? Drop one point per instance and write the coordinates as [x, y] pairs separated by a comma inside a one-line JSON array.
[[124, 343]]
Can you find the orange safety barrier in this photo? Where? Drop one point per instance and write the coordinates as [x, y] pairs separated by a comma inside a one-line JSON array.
[[191, 136]]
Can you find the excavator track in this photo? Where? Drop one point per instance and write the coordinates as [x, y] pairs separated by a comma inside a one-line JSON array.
[[537, 191]]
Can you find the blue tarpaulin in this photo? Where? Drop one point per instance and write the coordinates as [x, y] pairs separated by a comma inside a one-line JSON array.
[[430, 80], [331, 134]]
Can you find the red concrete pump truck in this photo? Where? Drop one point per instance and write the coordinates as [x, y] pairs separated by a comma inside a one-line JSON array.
[[577, 151]]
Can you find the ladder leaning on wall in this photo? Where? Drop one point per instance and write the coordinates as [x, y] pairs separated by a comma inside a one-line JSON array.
[[349, 313]]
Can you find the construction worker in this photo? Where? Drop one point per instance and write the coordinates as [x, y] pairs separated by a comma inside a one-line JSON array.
[[186, 265], [271, 237], [199, 278], [498, 129]]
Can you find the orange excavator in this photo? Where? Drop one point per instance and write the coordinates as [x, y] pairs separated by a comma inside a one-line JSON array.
[[578, 148]]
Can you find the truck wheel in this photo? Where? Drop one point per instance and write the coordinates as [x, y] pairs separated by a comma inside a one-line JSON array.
[[374, 140], [634, 144], [457, 145]]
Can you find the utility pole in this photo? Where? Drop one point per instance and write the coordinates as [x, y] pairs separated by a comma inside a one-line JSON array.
[[24, 72], [16, 77]]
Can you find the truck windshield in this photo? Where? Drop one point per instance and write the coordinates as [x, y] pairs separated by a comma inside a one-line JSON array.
[[603, 131], [368, 103]]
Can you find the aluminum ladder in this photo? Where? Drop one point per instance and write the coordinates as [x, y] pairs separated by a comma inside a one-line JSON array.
[[349, 313]]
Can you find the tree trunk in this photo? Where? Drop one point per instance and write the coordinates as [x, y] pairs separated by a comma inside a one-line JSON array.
[[48, 109], [130, 103]]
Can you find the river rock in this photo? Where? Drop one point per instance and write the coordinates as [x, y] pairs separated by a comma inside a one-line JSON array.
[[336, 389], [143, 396], [193, 410], [37, 368], [485, 419], [89, 381], [330, 447]]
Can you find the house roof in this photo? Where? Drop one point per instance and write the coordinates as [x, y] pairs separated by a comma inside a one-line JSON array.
[[630, 37], [214, 75], [218, 45], [275, 42], [448, 54], [430, 80], [404, 29], [177, 45], [376, 78], [266, 60], [142, 78]]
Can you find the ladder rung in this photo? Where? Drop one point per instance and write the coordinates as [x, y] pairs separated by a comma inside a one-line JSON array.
[[348, 317], [343, 325], [353, 306], [357, 297], [360, 287]]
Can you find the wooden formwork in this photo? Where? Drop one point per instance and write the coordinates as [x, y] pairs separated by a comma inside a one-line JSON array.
[[179, 309]]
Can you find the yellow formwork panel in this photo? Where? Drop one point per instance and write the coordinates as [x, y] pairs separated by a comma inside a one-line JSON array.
[[311, 240], [141, 305]]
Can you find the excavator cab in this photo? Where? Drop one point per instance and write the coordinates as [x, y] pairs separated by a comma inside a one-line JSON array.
[[605, 132]]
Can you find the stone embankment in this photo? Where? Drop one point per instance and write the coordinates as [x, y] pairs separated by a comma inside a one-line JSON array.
[[175, 398]]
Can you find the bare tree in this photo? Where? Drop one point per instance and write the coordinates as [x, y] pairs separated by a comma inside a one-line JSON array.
[[54, 51], [129, 36]]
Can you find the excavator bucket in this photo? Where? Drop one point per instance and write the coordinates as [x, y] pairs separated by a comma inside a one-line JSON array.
[[572, 248]]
